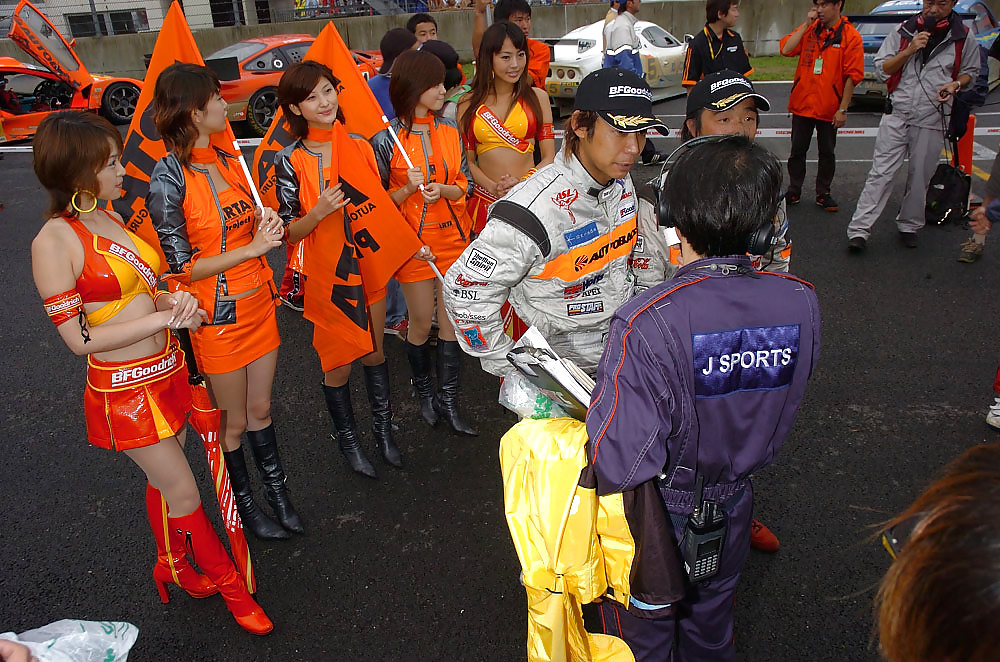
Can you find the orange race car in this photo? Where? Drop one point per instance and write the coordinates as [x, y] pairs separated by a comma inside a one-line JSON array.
[[28, 92], [250, 70]]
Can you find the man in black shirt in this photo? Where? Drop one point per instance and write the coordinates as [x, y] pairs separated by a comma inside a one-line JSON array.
[[717, 46]]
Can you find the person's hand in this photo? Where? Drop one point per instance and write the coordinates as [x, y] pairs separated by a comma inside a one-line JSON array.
[[185, 313], [504, 184], [424, 254], [329, 201], [812, 15], [839, 119], [978, 221], [481, 6], [919, 41], [270, 231], [414, 180], [948, 90], [431, 192], [11, 651]]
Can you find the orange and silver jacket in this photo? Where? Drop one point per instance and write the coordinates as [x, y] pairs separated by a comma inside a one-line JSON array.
[[299, 180], [192, 223], [454, 170]]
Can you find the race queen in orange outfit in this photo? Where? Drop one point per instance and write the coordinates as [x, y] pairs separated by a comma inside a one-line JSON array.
[[214, 241], [431, 197], [501, 118], [99, 285], [304, 172]]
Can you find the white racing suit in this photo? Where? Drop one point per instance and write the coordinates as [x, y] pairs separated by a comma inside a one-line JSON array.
[[557, 247]]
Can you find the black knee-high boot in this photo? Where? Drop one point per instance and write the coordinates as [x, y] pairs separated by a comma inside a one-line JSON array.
[[420, 365], [264, 445], [377, 384], [449, 354], [338, 402], [253, 518]]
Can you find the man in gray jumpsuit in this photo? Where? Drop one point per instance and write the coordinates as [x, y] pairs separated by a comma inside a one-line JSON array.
[[925, 62]]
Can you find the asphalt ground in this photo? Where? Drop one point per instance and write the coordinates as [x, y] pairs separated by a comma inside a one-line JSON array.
[[418, 565]]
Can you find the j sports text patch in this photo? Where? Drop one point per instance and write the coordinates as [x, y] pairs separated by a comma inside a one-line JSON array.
[[744, 359]]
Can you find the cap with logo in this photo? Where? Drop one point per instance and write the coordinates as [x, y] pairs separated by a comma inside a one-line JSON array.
[[721, 91], [620, 97]]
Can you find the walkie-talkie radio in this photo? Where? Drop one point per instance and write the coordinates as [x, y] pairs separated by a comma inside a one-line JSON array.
[[704, 535]]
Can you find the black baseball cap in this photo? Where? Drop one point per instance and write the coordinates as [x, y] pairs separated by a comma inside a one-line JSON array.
[[721, 91], [394, 42], [621, 98]]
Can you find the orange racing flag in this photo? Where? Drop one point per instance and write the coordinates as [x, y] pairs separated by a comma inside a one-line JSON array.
[[364, 115], [143, 146], [356, 251]]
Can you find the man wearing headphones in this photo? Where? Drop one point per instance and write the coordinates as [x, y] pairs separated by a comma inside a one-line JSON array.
[[699, 385], [722, 103]]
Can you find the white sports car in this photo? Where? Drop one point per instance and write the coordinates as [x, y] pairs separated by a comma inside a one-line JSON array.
[[579, 53]]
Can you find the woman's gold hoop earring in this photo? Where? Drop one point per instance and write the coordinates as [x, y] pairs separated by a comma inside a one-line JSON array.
[[72, 202]]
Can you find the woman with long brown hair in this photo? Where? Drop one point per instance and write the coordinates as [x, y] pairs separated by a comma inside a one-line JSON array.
[[501, 118], [215, 241], [308, 195], [99, 285], [431, 195]]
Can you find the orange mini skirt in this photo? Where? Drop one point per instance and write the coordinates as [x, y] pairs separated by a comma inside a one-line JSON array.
[[132, 404], [446, 244], [227, 347]]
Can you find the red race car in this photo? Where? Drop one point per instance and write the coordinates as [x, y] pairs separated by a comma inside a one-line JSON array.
[[250, 71], [28, 92]]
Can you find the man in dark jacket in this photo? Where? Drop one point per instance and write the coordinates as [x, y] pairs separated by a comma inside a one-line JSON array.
[[702, 377], [717, 46]]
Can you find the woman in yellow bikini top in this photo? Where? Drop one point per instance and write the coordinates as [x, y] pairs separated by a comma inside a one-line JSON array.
[[501, 118]]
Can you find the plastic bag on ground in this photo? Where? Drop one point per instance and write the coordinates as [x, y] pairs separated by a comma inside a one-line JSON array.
[[70, 640]]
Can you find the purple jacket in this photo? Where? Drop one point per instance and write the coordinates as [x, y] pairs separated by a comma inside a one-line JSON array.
[[707, 369]]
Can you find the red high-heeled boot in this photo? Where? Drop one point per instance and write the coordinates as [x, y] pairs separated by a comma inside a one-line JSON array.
[[208, 552], [172, 566]]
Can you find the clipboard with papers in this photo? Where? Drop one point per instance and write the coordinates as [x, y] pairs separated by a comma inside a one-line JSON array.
[[557, 378]]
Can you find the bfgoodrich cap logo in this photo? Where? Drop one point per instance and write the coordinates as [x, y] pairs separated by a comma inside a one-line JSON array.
[[629, 91], [729, 81]]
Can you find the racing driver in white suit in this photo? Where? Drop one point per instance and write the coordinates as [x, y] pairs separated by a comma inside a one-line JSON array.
[[557, 246]]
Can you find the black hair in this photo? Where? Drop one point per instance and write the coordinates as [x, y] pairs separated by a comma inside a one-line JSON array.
[[715, 7], [580, 119], [816, 2], [721, 192], [417, 19], [505, 8]]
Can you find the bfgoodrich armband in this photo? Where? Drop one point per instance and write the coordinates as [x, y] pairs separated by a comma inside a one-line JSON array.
[[64, 307]]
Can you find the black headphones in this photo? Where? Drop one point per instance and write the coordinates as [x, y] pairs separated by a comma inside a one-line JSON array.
[[760, 242]]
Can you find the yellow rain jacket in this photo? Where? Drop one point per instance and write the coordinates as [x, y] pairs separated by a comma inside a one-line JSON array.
[[574, 547]]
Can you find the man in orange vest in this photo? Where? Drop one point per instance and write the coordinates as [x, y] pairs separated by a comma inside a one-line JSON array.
[[831, 62]]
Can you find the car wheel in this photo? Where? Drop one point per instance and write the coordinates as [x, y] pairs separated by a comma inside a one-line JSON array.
[[261, 109], [119, 102]]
